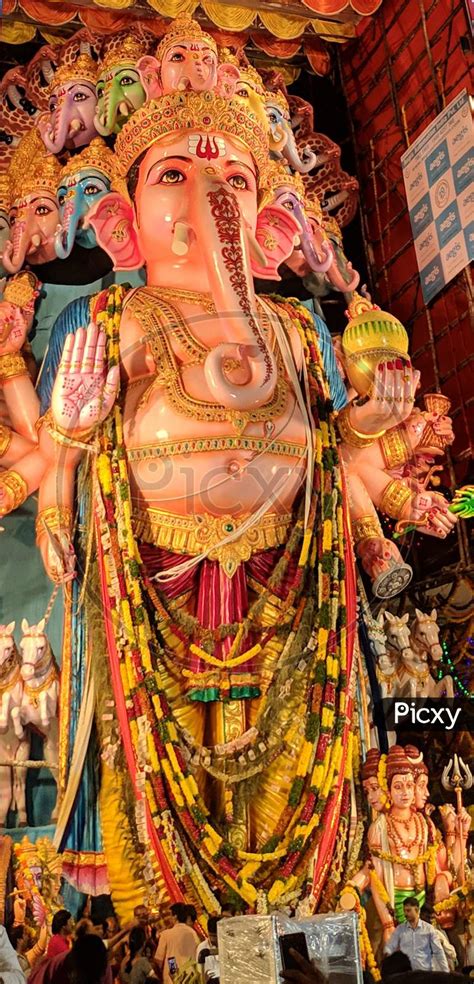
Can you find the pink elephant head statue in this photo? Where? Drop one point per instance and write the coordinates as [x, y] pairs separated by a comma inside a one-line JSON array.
[[195, 165], [69, 120], [186, 59], [33, 179]]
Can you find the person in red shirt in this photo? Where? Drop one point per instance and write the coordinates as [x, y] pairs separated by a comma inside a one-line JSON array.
[[85, 963], [61, 928]]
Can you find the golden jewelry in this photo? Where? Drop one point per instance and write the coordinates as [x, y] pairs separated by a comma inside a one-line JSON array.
[[157, 319], [15, 486], [32, 168], [96, 155], [121, 50], [56, 519], [63, 437], [351, 436], [203, 112], [83, 69], [191, 535], [395, 497], [5, 439], [168, 449], [5, 192], [395, 447], [22, 289], [33, 692], [11, 365], [366, 528], [12, 682], [172, 294]]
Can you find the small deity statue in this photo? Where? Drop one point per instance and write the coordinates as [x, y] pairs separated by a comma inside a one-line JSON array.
[[69, 122], [377, 797], [82, 181], [186, 59], [33, 176], [119, 88]]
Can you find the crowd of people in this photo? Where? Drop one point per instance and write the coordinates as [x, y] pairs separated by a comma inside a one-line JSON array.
[[91, 952]]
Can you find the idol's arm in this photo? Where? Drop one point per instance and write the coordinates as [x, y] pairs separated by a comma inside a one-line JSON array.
[[22, 403]]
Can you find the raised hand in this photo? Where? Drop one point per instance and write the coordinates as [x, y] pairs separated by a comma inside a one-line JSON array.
[[391, 399], [58, 556], [84, 392], [13, 328]]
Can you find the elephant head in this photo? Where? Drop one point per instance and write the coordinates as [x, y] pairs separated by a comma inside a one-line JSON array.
[[312, 251], [250, 91], [84, 179], [193, 220], [282, 138], [186, 59], [34, 208], [119, 87], [69, 121]]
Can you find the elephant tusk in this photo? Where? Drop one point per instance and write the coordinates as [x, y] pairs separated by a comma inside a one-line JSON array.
[[180, 244], [36, 240], [124, 108], [75, 126]]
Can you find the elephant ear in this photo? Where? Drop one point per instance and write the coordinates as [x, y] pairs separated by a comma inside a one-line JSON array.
[[149, 70], [113, 221], [227, 77], [276, 232]]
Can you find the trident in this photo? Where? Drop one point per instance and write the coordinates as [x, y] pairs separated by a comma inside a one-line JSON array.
[[457, 777]]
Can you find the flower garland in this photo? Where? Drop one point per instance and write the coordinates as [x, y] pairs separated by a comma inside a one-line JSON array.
[[382, 779], [174, 800], [367, 952]]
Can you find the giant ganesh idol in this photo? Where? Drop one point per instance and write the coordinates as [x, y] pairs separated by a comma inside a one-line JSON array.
[[192, 466]]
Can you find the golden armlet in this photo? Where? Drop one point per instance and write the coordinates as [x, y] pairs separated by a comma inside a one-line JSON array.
[[395, 496], [16, 488], [350, 435], [56, 519], [5, 439], [366, 528], [395, 446], [12, 365]]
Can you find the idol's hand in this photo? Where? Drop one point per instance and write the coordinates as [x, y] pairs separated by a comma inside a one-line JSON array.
[[58, 556], [431, 509], [391, 399], [84, 392], [13, 328]]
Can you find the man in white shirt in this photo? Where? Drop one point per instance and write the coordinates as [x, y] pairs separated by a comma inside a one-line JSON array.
[[176, 946], [418, 940]]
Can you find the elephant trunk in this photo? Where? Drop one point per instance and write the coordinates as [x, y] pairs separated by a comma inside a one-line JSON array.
[[106, 117], [67, 230], [230, 278], [55, 130], [308, 246], [302, 163], [341, 273], [16, 247]]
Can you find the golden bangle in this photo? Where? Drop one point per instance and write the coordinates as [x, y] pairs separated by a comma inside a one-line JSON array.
[[61, 436], [5, 439], [13, 483], [395, 447], [54, 519], [366, 528], [395, 497], [12, 364], [351, 436]]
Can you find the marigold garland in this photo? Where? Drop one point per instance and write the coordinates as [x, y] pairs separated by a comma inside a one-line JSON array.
[[179, 813]]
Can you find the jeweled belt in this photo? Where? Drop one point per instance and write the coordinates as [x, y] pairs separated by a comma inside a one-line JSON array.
[[192, 535], [167, 449]]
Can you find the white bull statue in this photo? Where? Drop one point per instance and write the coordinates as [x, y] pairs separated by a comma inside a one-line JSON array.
[[13, 747]]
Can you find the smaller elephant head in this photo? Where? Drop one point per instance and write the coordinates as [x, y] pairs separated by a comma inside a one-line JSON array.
[[119, 87], [69, 122], [313, 252], [84, 179], [33, 206], [187, 59], [282, 137]]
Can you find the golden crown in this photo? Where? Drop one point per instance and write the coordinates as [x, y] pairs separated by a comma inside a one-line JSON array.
[[31, 168], [202, 111], [83, 68], [121, 51], [279, 177], [96, 155], [313, 206], [183, 28], [278, 99], [249, 74], [5, 192], [331, 227]]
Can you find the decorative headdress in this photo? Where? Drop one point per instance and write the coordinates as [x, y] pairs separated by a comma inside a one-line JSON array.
[[22, 289], [5, 192], [83, 69], [398, 763], [278, 99], [31, 168], [279, 176], [122, 50], [183, 28], [180, 111], [96, 155], [313, 207], [249, 74], [415, 758], [371, 764]]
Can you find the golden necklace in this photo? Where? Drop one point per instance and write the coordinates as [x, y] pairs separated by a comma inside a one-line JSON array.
[[174, 294], [161, 321], [33, 692]]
